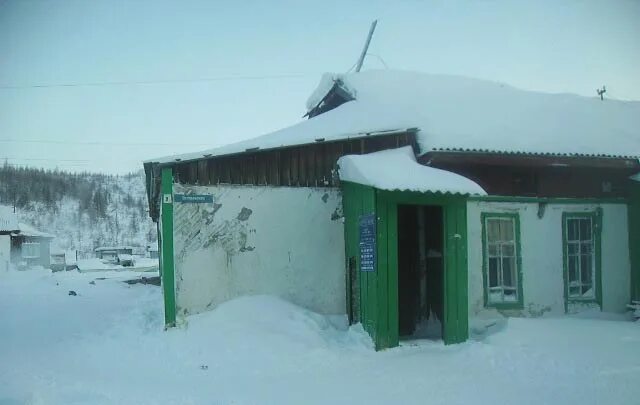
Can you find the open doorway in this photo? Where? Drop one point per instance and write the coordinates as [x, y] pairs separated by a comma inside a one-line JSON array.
[[420, 271]]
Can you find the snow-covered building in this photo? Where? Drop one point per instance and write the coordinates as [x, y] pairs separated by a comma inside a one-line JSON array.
[[408, 198], [22, 244]]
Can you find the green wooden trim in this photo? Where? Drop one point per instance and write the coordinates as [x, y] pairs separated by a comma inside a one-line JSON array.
[[463, 270], [485, 268], [382, 275], [455, 288], [596, 217], [168, 277], [378, 290], [392, 274], [633, 218], [548, 200]]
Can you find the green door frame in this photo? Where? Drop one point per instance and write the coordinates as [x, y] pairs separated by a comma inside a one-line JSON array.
[[377, 308], [634, 238], [166, 251]]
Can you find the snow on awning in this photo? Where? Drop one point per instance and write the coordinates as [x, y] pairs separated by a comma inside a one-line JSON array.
[[397, 169]]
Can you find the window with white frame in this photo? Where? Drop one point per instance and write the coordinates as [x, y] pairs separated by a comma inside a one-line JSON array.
[[502, 279], [580, 256], [30, 250]]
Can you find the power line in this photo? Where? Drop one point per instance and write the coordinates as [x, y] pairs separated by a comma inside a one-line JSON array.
[[46, 159], [152, 82], [64, 142]]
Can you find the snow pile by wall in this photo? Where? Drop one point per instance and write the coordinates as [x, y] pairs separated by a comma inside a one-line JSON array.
[[106, 345], [269, 321], [281, 241], [397, 169]]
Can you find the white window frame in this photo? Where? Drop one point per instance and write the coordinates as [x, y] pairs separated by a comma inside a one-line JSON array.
[[580, 245], [499, 249]]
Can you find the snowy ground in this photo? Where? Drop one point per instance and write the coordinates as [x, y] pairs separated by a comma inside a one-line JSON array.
[[106, 346]]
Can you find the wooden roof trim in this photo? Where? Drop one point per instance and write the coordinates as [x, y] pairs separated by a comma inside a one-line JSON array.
[[528, 160]]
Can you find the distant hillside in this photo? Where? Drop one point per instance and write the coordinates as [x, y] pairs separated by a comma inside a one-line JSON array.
[[83, 210]]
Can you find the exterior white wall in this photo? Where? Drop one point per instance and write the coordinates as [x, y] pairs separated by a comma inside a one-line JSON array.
[[5, 252], [283, 241], [542, 255]]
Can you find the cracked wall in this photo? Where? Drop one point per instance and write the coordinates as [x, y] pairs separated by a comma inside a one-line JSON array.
[[281, 241]]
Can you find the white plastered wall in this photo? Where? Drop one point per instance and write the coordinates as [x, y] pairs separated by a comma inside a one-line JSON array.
[[5, 252], [282, 241], [542, 260]]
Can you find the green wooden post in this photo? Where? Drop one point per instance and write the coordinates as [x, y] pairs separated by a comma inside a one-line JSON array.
[[463, 271], [392, 274], [633, 218], [382, 270], [168, 278]]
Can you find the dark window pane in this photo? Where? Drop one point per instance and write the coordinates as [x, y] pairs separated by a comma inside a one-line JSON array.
[[506, 229], [572, 229], [572, 262], [586, 248], [572, 248], [508, 268], [493, 272], [585, 268], [585, 229], [493, 230], [493, 249]]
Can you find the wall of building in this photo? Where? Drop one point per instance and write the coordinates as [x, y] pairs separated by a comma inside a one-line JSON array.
[[542, 255], [283, 241], [5, 252], [43, 260]]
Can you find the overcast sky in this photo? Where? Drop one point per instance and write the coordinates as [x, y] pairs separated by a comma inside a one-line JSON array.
[[260, 60]]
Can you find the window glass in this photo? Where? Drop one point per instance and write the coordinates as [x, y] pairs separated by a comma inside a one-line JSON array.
[[501, 259], [580, 257]]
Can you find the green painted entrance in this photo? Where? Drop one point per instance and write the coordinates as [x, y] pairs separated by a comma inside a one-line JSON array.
[[376, 291]]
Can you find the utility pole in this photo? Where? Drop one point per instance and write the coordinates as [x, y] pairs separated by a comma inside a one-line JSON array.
[[366, 45]]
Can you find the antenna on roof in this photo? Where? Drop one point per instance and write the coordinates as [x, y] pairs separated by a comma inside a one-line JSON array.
[[601, 92], [366, 45]]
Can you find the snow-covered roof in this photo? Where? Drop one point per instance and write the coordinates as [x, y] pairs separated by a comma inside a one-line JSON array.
[[8, 219], [460, 114], [103, 248], [397, 169], [28, 230]]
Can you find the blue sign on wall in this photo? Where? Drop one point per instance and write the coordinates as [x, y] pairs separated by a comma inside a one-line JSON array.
[[367, 225], [193, 198]]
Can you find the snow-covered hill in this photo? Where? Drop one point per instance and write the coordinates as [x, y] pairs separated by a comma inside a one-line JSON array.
[[83, 211]]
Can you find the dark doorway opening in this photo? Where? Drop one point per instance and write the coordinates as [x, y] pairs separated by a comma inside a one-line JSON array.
[[420, 271]]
